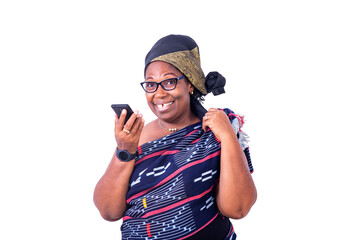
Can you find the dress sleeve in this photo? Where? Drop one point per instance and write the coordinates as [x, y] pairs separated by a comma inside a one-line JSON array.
[[237, 122]]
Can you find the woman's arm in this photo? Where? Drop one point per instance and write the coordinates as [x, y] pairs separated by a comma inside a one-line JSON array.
[[110, 191], [236, 191]]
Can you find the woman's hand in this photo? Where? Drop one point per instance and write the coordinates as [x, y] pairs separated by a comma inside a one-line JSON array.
[[219, 123], [110, 191], [236, 191], [127, 134]]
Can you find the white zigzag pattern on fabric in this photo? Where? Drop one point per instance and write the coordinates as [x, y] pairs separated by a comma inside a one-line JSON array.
[[169, 193], [187, 154], [172, 224], [206, 176], [138, 179], [158, 170], [209, 202]]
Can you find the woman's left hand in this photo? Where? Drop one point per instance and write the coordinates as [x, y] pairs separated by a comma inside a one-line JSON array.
[[219, 123]]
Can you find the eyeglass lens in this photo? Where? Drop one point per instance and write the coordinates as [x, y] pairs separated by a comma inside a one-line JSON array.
[[168, 84]]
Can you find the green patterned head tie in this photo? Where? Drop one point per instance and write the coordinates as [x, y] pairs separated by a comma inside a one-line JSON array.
[[183, 53]]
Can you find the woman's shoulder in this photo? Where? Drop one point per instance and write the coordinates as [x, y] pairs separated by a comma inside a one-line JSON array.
[[146, 132], [150, 132]]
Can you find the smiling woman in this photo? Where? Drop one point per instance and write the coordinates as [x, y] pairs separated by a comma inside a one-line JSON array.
[[191, 167], [170, 105]]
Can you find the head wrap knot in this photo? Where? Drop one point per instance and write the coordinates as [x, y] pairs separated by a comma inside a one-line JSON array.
[[215, 83]]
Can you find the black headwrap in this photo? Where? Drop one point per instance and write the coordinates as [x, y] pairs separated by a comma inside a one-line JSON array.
[[183, 53]]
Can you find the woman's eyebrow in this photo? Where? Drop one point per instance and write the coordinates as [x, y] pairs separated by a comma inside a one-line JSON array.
[[166, 74]]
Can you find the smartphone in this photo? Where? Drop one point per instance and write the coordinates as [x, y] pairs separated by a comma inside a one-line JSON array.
[[119, 107]]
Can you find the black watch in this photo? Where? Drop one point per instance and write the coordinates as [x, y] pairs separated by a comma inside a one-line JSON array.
[[124, 155]]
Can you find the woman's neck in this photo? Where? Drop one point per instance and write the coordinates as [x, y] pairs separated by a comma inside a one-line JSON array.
[[183, 121]]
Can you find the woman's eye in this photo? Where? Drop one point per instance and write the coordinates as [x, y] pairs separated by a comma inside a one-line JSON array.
[[150, 85], [170, 82]]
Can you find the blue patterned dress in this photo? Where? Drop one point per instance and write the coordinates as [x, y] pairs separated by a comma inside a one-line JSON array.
[[171, 193]]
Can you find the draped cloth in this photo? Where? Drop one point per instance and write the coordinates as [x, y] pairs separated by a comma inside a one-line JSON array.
[[171, 190]]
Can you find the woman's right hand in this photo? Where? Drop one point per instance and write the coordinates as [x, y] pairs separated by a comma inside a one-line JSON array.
[[127, 134]]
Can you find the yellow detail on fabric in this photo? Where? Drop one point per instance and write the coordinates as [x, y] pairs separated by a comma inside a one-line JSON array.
[[144, 203]]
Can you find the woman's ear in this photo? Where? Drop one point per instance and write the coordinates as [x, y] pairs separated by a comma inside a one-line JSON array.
[[191, 89]]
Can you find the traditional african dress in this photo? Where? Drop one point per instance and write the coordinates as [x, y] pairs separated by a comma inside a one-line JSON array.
[[172, 187]]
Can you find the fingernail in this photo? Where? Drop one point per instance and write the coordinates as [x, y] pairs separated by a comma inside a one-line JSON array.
[[140, 115], [123, 111], [136, 112]]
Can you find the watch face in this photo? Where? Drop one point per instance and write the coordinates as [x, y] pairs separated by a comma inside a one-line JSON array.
[[123, 155]]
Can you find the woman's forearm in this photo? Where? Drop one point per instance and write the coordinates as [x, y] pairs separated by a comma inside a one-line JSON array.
[[236, 190], [110, 191]]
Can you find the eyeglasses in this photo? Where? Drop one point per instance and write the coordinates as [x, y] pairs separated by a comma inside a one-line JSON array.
[[167, 84]]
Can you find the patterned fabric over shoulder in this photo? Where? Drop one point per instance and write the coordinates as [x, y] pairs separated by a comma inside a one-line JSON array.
[[237, 122]]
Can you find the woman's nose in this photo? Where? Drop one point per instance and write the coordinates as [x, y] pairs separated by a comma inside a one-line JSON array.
[[160, 92]]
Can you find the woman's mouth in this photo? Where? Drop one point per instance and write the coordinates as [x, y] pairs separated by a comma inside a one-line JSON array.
[[164, 106]]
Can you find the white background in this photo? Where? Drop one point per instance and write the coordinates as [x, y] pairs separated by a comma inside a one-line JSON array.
[[291, 69]]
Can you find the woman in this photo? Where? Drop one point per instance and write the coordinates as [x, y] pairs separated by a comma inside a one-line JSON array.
[[192, 167]]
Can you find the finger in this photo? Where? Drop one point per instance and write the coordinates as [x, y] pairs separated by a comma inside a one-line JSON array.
[[116, 119], [117, 124], [211, 110], [205, 117], [209, 115], [205, 126], [141, 126], [128, 125], [122, 119], [137, 123]]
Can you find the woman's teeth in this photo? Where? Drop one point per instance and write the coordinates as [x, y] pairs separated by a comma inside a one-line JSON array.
[[163, 106]]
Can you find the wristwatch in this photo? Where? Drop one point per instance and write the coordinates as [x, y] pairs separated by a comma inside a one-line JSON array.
[[124, 155]]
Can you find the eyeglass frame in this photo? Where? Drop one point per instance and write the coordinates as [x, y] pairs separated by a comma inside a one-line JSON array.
[[160, 83]]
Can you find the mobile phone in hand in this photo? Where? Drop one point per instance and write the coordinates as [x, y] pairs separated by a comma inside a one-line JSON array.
[[119, 107]]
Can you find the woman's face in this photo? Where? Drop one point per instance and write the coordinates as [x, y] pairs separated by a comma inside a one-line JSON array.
[[171, 105]]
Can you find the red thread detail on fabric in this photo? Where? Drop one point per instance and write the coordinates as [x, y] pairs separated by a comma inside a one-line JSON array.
[[163, 152], [174, 174], [158, 211], [195, 141], [232, 230], [126, 218], [148, 229], [139, 149], [191, 133]]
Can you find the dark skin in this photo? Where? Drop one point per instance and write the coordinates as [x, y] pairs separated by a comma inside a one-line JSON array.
[[175, 110], [110, 191], [235, 193]]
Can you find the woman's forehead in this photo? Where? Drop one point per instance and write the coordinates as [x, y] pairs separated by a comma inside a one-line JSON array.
[[160, 69]]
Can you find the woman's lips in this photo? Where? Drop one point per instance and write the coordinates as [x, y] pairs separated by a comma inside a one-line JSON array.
[[164, 106]]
